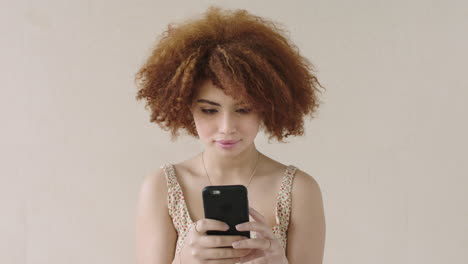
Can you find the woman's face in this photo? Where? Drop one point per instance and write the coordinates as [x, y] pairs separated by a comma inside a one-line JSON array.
[[218, 117]]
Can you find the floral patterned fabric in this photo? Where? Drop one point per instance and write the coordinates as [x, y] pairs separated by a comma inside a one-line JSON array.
[[182, 221]]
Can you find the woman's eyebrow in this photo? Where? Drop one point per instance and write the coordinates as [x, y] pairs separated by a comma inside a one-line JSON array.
[[211, 102], [208, 102]]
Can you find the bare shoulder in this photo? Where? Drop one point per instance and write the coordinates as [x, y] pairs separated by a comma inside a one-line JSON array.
[[306, 195], [305, 185], [155, 233], [273, 167], [154, 184], [306, 233]]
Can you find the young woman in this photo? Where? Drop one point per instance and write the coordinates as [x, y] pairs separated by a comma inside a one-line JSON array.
[[222, 78]]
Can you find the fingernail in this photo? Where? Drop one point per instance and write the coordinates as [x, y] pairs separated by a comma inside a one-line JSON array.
[[239, 226], [235, 244]]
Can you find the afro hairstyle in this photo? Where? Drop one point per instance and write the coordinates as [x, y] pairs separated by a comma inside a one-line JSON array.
[[247, 56]]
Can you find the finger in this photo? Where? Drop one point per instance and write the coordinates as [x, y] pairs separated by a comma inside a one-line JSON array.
[[254, 243], [220, 253], [218, 241], [261, 228], [224, 261], [205, 224], [257, 216]]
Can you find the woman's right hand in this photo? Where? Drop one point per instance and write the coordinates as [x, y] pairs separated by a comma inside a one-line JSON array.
[[202, 248]]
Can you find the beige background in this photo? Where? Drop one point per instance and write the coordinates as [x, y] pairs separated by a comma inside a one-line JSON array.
[[388, 147]]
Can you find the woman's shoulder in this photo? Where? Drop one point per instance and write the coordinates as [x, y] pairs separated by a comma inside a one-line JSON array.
[[304, 180], [305, 185], [273, 166]]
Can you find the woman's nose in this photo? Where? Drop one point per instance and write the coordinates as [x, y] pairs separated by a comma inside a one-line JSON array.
[[228, 123]]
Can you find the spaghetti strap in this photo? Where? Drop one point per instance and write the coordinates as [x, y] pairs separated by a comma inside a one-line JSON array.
[[283, 205], [177, 206]]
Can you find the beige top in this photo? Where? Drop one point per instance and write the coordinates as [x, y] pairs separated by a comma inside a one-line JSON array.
[[182, 220]]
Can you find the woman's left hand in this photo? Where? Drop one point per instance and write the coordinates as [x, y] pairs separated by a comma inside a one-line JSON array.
[[266, 247]]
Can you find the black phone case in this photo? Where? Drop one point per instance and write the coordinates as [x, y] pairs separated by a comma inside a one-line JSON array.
[[229, 204]]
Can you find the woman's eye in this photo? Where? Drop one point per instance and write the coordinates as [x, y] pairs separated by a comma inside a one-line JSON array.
[[244, 110], [213, 111], [208, 111]]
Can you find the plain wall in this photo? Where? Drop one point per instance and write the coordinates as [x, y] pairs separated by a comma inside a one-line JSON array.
[[388, 146]]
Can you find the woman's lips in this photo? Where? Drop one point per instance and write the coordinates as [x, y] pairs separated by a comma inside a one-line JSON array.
[[227, 144], [227, 141]]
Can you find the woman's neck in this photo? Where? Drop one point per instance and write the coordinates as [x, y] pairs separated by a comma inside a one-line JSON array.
[[228, 170]]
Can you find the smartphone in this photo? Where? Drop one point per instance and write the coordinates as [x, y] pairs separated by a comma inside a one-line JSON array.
[[229, 204]]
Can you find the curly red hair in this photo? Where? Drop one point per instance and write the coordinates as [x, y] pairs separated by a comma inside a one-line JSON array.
[[246, 56]]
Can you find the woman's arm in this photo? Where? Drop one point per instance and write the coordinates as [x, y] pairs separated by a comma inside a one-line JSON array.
[[155, 233], [306, 232]]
